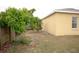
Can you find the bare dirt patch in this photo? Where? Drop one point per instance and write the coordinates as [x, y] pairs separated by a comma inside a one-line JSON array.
[[46, 43]]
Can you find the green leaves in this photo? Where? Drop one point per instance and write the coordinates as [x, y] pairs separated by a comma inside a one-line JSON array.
[[16, 19], [19, 19]]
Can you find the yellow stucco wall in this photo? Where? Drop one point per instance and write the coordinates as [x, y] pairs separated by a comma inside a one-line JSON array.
[[64, 24], [49, 24], [60, 24]]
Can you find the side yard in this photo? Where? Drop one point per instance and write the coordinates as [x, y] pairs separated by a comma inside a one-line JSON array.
[[43, 42]]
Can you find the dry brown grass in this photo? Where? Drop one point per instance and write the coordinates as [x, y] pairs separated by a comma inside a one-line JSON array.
[[46, 43]]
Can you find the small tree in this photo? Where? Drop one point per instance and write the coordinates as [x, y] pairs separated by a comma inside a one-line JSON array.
[[18, 19], [35, 24]]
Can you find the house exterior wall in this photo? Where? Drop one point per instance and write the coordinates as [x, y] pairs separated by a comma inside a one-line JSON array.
[[60, 24], [49, 25], [64, 24]]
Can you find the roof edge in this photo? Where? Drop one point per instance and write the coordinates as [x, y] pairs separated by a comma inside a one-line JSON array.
[[57, 11]]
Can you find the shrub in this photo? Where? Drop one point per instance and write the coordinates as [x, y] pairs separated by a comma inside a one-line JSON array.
[[22, 40]]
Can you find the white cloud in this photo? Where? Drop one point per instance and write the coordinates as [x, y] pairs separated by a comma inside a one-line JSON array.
[[43, 7]]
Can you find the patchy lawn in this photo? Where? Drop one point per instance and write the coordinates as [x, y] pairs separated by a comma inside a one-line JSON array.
[[46, 43]]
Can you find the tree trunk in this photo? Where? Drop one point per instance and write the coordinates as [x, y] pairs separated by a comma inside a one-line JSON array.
[[12, 35], [0, 38], [9, 34]]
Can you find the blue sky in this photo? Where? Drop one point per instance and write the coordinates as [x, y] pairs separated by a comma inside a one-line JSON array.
[[43, 7]]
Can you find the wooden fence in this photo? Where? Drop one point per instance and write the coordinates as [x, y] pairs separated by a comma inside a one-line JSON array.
[[4, 36]]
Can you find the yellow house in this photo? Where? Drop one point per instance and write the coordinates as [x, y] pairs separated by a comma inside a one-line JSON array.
[[62, 22]]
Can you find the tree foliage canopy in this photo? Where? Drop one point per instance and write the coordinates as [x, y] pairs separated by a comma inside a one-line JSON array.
[[19, 19]]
